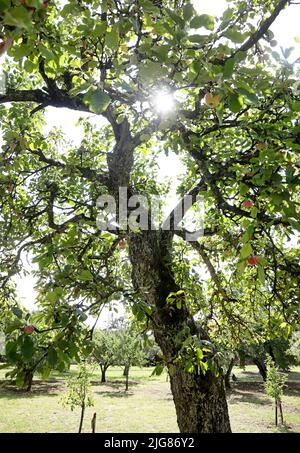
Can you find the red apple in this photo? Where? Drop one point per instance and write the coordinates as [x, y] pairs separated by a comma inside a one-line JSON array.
[[252, 261], [29, 329], [248, 204]]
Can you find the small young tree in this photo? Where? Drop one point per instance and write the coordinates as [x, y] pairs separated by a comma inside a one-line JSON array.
[[274, 386], [79, 392]]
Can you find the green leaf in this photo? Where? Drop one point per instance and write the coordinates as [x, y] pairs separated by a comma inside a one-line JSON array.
[[27, 348], [228, 68], [18, 17], [85, 276], [21, 51], [10, 348], [189, 367], [179, 304], [46, 372], [200, 39], [235, 103], [261, 275], [254, 212], [200, 354], [158, 370], [235, 36], [248, 95], [244, 189], [100, 29], [47, 53], [4, 5], [20, 379], [151, 71], [220, 112], [97, 100], [176, 18], [52, 357], [14, 325], [246, 250], [204, 20], [79, 89], [52, 296], [17, 311], [112, 38], [188, 11]]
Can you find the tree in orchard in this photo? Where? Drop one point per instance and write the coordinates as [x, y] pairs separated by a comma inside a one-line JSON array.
[[130, 351], [234, 122], [105, 350], [276, 348]]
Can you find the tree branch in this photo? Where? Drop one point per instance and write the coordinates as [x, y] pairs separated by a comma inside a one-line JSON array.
[[255, 37]]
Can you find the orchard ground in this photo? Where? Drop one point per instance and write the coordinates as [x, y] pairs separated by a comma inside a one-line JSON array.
[[146, 407]]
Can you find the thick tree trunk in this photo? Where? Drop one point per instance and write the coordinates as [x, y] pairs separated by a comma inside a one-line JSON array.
[[200, 400], [200, 403]]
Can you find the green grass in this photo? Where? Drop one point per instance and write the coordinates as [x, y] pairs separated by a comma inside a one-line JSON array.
[[146, 407]]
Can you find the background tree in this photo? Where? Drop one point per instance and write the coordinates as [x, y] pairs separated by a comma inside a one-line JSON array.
[[105, 351], [130, 351]]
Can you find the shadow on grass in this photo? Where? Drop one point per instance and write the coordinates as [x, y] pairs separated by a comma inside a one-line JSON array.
[[251, 374], [119, 394], [248, 392], [246, 397], [294, 376], [254, 392], [8, 390], [115, 384], [292, 389]]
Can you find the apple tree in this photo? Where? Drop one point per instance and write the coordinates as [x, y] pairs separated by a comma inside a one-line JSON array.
[[234, 123]]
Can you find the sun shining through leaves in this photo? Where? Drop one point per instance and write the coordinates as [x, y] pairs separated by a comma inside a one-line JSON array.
[[163, 102]]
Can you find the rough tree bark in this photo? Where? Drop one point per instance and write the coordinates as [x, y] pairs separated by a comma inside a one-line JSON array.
[[200, 400]]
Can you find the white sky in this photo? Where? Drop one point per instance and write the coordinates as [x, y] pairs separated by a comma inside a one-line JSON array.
[[286, 28]]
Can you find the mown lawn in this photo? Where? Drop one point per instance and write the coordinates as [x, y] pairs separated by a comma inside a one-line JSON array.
[[146, 407]]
